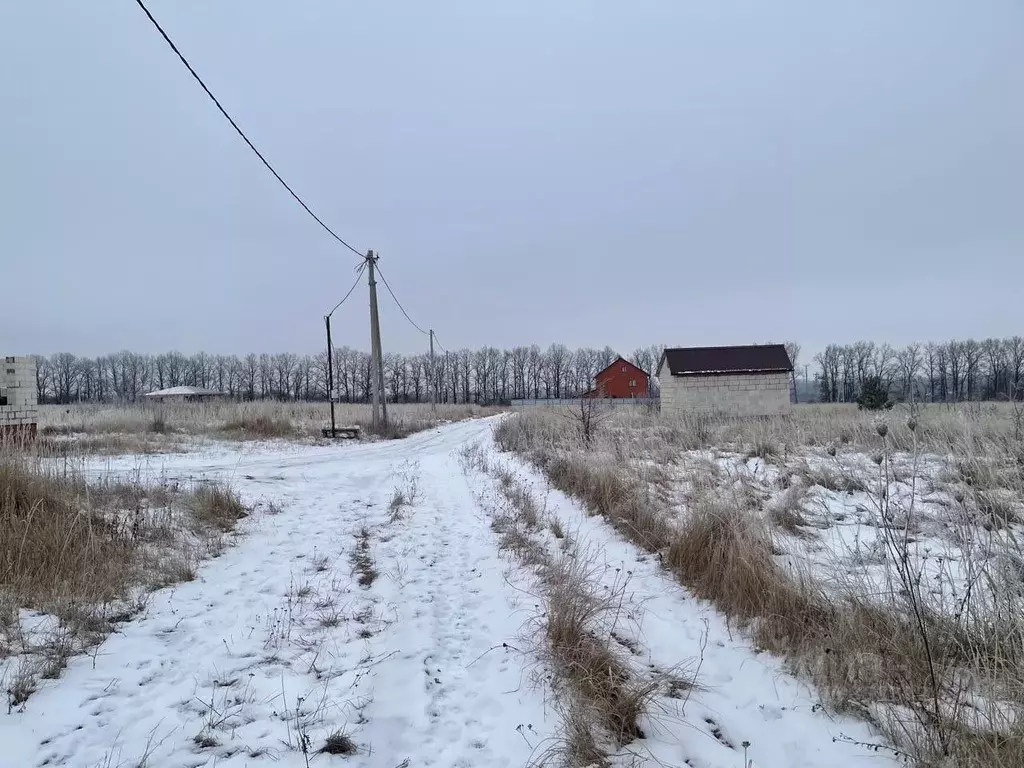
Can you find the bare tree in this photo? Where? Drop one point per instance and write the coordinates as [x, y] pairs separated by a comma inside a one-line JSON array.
[[1015, 355], [909, 361], [988, 369], [955, 358], [830, 360], [588, 414], [793, 350], [65, 372], [973, 356], [932, 357]]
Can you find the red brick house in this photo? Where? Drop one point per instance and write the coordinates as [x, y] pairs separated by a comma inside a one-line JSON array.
[[621, 379]]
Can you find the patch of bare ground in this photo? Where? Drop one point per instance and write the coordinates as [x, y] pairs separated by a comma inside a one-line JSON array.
[[944, 685], [78, 556]]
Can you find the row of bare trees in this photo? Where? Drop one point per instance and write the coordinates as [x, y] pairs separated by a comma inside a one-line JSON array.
[[483, 375], [937, 372]]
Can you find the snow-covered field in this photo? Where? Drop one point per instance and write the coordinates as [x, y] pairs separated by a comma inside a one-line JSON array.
[[745, 709], [354, 624], [888, 549]]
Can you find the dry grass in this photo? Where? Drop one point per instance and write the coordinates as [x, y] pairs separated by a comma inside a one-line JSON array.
[[579, 625], [259, 426], [787, 513], [946, 689], [153, 428], [602, 699], [627, 502], [105, 444], [85, 552], [215, 506], [833, 479], [362, 559], [338, 743]]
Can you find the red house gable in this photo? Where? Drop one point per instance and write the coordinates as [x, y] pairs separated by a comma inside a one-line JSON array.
[[621, 379]]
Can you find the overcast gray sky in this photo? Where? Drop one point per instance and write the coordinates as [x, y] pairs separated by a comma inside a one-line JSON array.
[[582, 171]]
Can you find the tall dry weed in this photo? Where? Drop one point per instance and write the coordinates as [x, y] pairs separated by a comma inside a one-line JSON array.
[[945, 686]]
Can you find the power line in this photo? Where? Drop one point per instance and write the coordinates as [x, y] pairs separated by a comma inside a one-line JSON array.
[[359, 276], [238, 130], [384, 280]]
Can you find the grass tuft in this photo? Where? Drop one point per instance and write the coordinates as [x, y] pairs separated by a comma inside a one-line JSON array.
[[338, 743], [216, 506], [362, 559]]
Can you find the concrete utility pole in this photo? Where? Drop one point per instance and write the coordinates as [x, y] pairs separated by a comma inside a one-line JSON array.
[[433, 374], [380, 411]]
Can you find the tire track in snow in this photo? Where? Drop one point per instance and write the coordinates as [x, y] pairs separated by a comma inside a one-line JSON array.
[[752, 712], [456, 606], [249, 639]]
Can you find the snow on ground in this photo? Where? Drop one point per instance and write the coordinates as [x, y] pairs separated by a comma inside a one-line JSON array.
[[843, 542], [751, 714], [277, 646], [334, 616]]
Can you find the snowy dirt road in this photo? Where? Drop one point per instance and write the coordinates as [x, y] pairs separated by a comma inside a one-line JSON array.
[[332, 617], [345, 630]]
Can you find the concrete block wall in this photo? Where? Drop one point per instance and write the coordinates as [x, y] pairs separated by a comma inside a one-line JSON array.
[[18, 385], [755, 394]]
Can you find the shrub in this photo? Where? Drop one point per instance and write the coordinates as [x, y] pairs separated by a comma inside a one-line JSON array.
[[874, 395]]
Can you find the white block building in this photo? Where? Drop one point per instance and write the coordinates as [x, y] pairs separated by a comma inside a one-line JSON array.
[[184, 395], [740, 381], [19, 406]]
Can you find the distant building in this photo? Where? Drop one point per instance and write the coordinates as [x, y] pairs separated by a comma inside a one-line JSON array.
[[621, 379], [748, 381], [184, 395], [19, 404]]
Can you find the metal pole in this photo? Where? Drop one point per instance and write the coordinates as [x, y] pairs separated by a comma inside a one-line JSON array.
[[330, 372], [433, 374]]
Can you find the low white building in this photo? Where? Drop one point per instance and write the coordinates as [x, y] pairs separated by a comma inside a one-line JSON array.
[[742, 381], [19, 403], [184, 395]]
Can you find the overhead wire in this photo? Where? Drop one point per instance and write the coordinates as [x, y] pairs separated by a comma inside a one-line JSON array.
[[411, 322], [359, 275], [280, 179], [240, 132]]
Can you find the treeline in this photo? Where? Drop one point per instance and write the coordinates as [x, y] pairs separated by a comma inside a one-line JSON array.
[[936, 372], [486, 375], [951, 371]]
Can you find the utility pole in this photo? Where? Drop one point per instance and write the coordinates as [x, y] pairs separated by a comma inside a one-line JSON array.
[[433, 374], [330, 372], [380, 412]]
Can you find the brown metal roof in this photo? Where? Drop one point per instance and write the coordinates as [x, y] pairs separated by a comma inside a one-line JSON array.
[[692, 361]]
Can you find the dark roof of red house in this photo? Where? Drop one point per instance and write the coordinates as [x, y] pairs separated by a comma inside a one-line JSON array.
[[621, 360], [691, 361]]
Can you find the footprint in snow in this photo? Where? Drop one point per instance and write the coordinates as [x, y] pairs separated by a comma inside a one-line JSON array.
[[716, 731]]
